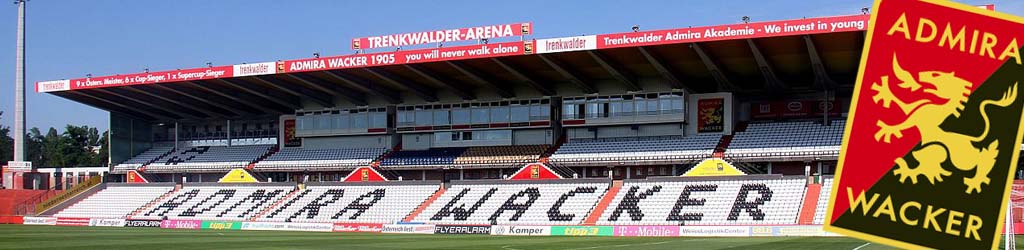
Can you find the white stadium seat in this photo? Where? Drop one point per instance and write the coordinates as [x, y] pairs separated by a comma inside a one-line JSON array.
[[772, 201], [114, 202]]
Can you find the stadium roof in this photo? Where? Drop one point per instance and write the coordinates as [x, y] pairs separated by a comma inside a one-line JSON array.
[[790, 56]]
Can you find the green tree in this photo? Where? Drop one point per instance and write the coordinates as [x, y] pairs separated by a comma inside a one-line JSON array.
[[77, 146], [54, 145], [6, 143], [34, 147]]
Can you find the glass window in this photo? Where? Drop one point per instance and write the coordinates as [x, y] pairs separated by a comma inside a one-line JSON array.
[[404, 118], [665, 104], [342, 121], [324, 122], [627, 108], [304, 123], [615, 108], [545, 112], [677, 104], [378, 120], [569, 111], [424, 117], [359, 121], [441, 117], [592, 110], [499, 114], [481, 115], [652, 106], [460, 116], [495, 134], [641, 106], [520, 113]]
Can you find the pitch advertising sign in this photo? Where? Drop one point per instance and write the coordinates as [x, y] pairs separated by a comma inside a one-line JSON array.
[[462, 229], [141, 223], [521, 230], [40, 221], [407, 229], [358, 227], [935, 127]]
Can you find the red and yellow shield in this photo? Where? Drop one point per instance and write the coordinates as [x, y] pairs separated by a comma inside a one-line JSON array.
[[934, 131]]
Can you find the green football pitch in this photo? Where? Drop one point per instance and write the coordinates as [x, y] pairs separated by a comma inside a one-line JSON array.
[[53, 237]]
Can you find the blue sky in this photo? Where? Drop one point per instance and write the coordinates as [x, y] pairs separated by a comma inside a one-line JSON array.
[[69, 39]]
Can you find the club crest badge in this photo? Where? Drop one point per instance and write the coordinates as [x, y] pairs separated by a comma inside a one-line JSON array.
[[934, 129]]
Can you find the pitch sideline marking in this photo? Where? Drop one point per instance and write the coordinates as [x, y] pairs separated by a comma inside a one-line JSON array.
[[509, 247], [862, 246]]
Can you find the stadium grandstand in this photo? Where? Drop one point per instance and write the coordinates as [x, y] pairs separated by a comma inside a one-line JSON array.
[[728, 125]]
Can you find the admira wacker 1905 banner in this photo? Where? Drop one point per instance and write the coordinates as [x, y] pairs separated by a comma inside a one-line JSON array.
[[934, 130]]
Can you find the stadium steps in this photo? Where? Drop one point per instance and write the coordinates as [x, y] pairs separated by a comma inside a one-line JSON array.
[[425, 204], [151, 161], [266, 155], [723, 144], [810, 205], [154, 202], [72, 194], [595, 214], [277, 203]]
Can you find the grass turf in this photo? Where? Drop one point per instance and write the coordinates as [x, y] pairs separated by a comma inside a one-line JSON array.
[[53, 237]]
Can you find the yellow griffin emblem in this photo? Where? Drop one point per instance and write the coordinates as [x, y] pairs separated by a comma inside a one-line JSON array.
[[938, 145]]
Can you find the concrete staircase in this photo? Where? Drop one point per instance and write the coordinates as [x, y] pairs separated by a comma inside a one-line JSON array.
[[602, 205], [424, 205], [810, 205]]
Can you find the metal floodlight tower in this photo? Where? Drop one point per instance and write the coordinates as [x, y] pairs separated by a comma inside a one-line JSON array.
[[19, 86]]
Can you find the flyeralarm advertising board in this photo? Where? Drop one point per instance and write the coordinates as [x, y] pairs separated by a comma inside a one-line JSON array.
[[934, 131]]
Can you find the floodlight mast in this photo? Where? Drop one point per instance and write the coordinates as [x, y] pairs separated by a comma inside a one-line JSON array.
[[19, 86]]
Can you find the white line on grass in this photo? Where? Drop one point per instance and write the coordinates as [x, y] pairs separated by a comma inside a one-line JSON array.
[[862, 246], [509, 247]]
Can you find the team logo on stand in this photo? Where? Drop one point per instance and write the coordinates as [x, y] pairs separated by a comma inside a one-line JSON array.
[[934, 130]]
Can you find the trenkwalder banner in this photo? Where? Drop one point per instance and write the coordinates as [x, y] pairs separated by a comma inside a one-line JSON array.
[[618, 40], [137, 79], [443, 36], [734, 31], [409, 56]]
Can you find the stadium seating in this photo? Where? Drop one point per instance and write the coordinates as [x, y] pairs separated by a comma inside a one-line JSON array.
[[209, 158], [501, 155], [145, 157], [430, 157], [115, 201], [635, 149], [565, 202], [312, 159], [216, 202], [787, 139], [823, 199], [707, 201], [352, 203]]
